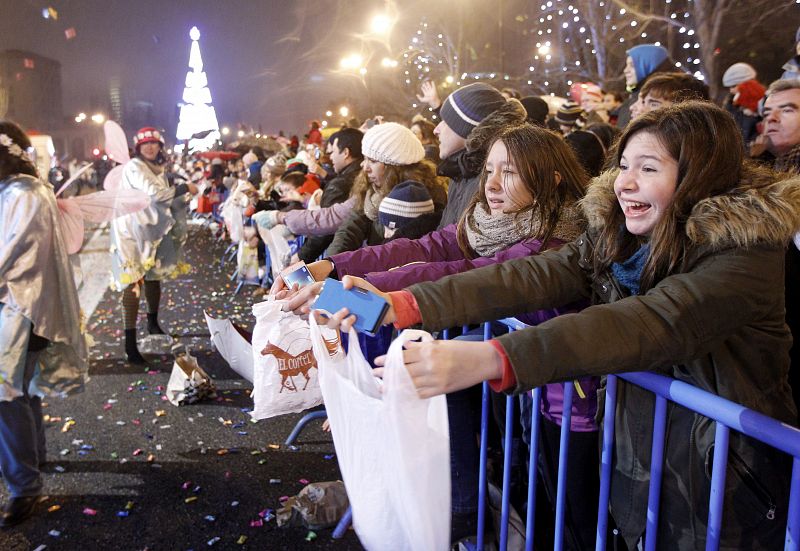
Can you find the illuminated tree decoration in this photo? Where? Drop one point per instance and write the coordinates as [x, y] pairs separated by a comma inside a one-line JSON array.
[[198, 120]]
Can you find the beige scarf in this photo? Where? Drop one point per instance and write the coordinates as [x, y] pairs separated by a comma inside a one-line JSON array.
[[488, 234], [371, 203]]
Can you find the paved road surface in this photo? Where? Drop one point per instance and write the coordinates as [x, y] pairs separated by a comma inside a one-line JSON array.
[[123, 464]]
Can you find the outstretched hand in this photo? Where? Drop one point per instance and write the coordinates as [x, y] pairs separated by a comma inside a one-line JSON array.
[[442, 367]]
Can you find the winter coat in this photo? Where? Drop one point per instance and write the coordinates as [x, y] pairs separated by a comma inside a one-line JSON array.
[[337, 190], [717, 323], [319, 222]]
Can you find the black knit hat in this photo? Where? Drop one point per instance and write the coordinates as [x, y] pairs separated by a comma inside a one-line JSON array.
[[536, 108], [571, 114], [465, 108], [406, 201]]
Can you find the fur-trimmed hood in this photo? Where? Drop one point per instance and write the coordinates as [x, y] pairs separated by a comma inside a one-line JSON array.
[[749, 214]]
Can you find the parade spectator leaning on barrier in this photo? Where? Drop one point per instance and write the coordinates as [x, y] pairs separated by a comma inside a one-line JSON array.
[[684, 261]]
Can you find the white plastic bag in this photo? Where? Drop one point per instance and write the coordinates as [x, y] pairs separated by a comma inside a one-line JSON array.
[[285, 374], [280, 252], [232, 346], [393, 447]]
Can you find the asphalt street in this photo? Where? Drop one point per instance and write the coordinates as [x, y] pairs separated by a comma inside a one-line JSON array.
[[128, 470]]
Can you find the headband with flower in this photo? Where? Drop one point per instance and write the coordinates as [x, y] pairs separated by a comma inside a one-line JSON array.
[[13, 148]]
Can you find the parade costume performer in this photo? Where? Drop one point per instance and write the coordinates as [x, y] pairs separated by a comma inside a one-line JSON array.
[[145, 244], [42, 351]]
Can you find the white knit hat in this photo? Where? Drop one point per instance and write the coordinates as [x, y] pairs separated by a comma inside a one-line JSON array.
[[737, 74], [392, 144]]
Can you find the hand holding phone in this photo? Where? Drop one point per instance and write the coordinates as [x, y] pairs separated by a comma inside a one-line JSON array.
[[368, 307], [297, 274]]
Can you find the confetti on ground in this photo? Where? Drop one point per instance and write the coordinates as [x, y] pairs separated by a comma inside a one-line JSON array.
[[53, 508], [89, 511], [311, 536]]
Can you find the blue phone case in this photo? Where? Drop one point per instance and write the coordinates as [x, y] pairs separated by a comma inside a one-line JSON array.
[[368, 307]]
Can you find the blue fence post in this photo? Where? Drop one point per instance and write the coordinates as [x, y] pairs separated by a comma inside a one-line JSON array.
[[482, 485], [793, 526], [563, 454], [605, 462], [717, 487], [508, 454], [656, 473], [530, 522]]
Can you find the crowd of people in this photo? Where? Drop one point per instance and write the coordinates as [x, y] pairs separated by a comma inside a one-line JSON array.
[[656, 231]]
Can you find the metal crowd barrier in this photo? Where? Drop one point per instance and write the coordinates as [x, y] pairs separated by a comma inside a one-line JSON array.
[[728, 415]]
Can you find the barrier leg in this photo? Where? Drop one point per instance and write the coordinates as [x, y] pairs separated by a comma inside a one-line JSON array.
[[656, 473], [605, 462], [530, 521], [344, 524], [717, 487], [563, 453], [307, 418], [793, 526], [482, 488], [508, 454]]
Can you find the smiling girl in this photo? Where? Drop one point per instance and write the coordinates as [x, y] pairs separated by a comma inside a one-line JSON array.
[[683, 260]]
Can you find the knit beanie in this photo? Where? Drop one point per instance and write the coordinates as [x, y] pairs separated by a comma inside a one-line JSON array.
[[392, 144], [277, 163], [465, 108], [406, 201], [536, 108], [646, 57], [737, 74], [571, 114]]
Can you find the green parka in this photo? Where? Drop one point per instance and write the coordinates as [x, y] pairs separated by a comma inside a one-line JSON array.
[[718, 324]]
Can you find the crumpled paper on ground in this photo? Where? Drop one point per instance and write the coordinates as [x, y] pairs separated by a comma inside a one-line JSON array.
[[318, 505]]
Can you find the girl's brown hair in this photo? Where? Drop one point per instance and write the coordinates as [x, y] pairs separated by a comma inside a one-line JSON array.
[[707, 145], [537, 154], [423, 172]]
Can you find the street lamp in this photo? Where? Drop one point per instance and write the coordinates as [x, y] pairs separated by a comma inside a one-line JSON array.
[[344, 111], [353, 61], [381, 24], [225, 130], [98, 118], [328, 113]]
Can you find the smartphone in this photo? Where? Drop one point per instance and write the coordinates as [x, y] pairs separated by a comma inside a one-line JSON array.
[[297, 274], [368, 307], [317, 153]]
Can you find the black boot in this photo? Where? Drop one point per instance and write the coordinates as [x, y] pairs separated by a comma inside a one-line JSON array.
[[152, 325], [131, 350]]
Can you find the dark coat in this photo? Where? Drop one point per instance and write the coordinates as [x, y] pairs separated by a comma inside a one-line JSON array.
[[337, 190], [717, 324]]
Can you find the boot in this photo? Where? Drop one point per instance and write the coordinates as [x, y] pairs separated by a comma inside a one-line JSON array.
[[131, 350], [152, 325]]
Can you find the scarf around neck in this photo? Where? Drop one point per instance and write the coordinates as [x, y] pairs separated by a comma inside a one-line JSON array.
[[629, 272], [371, 203], [488, 234]]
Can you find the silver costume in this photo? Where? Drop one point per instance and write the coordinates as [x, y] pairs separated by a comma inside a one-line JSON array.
[[37, 287], [137, 239]]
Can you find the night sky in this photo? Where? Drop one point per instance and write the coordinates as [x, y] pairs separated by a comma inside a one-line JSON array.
[[268, 62]]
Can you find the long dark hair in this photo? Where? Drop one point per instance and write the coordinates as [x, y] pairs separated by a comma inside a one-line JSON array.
[[707, 145], [538, 154], [11, 164]]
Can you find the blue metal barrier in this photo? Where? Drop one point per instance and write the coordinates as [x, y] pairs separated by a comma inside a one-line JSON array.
[[727, 415]]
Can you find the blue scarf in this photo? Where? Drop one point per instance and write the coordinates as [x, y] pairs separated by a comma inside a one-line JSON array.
[[629, 273]]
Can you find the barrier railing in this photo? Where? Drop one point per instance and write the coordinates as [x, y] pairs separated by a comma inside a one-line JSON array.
[[727, 415]]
